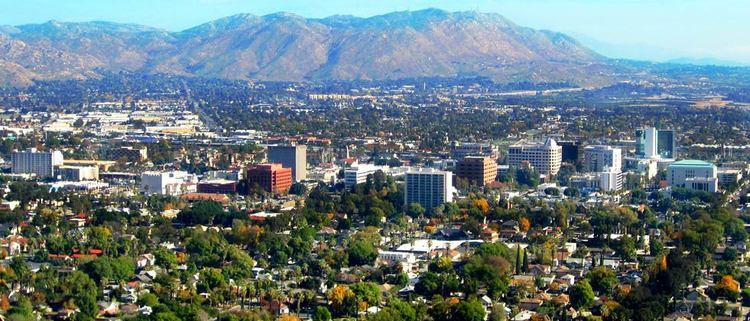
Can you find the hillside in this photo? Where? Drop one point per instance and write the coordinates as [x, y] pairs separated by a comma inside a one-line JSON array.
[[284, 46]]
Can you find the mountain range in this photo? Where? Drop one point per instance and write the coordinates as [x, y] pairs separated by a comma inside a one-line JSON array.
[[287, 47]]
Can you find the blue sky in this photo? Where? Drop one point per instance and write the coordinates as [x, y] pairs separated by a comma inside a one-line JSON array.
[[641, 29]]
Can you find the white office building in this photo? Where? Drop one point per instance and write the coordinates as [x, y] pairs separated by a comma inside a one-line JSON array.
[[168, 183], [607, 181], [598, 157], [428, 187], [545, 158], [358, 174], [693, 174], [79, 173], [610, 180], [37, 162]]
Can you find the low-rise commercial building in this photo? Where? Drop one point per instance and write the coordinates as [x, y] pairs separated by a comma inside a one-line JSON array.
[[168, 183], [693, 174]]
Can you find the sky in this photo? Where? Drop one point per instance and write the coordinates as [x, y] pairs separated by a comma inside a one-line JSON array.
[[658, 30]]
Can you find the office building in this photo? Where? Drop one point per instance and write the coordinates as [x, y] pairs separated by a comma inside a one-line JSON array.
[[654, 143], [78, 173], [428, 187], [290, 156], [479, 170], [572, 151], [610, 179], [729, 176], [693, 174], [32, 161], [358, 174], [168, 183], [272, 178], [607, 181], [544, 158], [596, 158]]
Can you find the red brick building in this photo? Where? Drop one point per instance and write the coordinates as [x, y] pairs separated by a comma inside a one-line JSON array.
[[272, 178]]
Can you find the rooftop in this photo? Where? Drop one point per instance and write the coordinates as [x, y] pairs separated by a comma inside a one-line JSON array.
[[691, 163]]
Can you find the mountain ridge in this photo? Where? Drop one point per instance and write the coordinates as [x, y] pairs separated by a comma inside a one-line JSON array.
[[286, 46]]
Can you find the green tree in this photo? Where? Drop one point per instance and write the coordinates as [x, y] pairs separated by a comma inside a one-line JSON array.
[[602, 279], [469, 310], [362, 252], [298, 189], [367, 292], [581, 295], [79, 288], [322, 314], [415, 210]]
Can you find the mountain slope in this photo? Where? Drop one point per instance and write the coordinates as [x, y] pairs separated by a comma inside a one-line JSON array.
[[284, 46]]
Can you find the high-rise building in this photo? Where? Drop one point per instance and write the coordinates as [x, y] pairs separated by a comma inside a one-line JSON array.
[[571, 151], [665, 143], [545, 158], [37, 162], [693, 174], [290, 156], [597, 157], [654, 143], [479, 170], [168, 183], [428, 187], [272, 178]]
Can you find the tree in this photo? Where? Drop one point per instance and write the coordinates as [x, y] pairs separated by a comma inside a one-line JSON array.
[[367, 292], [482, 205], [321, 314], [201, 213], [298, 189], [498, 312], [81, 290], [165, 258], [518, 260], [415, 210], [581, 295], [626, 248], [656, 247], [524, 224], [525, 266], [469, 310], [148, 299], [343, 301], [728, 287], [362, 252], [572, 192], [602, 279]]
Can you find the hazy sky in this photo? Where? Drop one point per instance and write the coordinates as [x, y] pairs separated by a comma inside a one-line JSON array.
[[641, 29]]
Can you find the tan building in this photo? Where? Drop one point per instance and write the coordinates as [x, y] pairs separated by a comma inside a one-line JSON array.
[[545, 158], [479, 170]]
